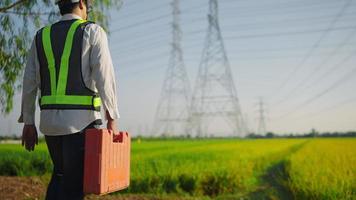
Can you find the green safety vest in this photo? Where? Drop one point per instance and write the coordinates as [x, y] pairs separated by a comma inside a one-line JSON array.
[[59, 50]]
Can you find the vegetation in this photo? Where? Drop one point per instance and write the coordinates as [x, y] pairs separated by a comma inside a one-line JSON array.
[[257, 169], [15, 161], [312, 134], [325, 169]]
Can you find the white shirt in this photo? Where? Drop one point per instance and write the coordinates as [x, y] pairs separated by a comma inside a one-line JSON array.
[[98, 74]]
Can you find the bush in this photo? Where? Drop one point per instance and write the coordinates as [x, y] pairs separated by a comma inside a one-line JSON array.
[[40, 164], [25, 164], [139, 186], [9, 167], [187, 183], [170, 184], [218, 183]]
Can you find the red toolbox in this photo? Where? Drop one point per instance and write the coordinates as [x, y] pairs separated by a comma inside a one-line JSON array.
[[106, 161]]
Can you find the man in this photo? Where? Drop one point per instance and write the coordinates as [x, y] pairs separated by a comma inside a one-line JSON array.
[[69, 62]]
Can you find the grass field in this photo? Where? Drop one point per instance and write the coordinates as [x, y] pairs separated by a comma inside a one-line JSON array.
[[222, 168]]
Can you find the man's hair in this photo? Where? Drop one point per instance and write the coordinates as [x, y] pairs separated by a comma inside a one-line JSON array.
[[66, 7]]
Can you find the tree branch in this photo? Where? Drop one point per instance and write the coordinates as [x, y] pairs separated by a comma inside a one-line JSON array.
[[28, 13], [4, 9]]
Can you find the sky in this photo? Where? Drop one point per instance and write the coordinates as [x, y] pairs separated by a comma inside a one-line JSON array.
[[299, 56]]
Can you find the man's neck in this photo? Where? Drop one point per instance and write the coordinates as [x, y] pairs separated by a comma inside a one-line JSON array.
[[70, 16], [78, 13]]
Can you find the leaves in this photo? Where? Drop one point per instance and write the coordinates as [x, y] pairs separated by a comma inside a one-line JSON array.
[[19, 20]]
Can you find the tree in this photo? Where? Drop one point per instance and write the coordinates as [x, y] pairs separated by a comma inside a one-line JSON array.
[[19, 20], [314, 133], [270, 135]]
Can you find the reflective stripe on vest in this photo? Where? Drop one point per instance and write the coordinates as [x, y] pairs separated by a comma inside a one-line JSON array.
[[58, 87]]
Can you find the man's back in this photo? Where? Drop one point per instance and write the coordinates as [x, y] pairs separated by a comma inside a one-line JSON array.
[[97, 74]]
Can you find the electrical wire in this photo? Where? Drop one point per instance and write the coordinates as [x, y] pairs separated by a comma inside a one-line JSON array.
[[315, 46], [332, 87]]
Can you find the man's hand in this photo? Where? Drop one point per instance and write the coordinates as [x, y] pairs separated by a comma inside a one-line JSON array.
[[111, 125], [29, 137]]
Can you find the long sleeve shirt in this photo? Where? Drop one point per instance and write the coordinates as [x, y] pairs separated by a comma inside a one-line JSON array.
[[98, 74]]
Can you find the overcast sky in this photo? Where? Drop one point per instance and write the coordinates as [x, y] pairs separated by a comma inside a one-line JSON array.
[[298, 55]]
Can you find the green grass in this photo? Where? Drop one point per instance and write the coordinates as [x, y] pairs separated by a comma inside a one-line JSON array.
[[15, 161], [324, 169], [256, 169], [213, 167]]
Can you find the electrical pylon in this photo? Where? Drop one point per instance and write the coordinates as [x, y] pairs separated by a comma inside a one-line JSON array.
[[173, 107], [261, 118], [215, 94]]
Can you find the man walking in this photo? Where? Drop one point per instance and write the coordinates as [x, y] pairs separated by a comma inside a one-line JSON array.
[[70, 63]]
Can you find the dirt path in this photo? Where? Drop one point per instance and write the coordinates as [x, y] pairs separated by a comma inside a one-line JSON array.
[[274, 184], [18, 188], [33, 188]]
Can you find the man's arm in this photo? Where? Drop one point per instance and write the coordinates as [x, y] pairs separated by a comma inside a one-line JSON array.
[[28, 103], [104, 75]]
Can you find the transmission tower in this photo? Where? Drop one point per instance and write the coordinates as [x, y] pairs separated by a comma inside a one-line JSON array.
[[172, 110], [215, 96], [261, 118]]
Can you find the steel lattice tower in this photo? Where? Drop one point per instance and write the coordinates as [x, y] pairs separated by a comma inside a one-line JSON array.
[[261, 118], [172, 110], [215, 96]]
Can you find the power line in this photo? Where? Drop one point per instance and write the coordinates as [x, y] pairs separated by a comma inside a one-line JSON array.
[[140, 12], [154, 9], [276, 34], [193, 55], [327, 109], [284, 11], [143, 70], [134, 2], [315, 46], [161, 40], [330, 71], [292, 48], [288, 22], [335, 85], [279, 22], [157, 55], [289, 33], [318, 67], [278, 57], [147, 59], [160, 17], [282, 6], [200, 19], [334, 68], [141, 23], [166, 15]]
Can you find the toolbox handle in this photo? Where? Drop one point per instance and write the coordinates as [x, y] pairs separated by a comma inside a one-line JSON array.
[[118, 138]]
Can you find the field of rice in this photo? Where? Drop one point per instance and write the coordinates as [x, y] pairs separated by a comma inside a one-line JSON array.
[[223, 168], [324, 169]]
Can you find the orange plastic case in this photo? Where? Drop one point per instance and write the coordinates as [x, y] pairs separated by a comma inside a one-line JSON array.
[[106, 162]]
